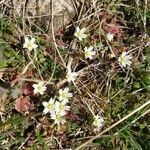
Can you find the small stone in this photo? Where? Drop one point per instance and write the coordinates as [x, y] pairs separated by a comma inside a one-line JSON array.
[[63, 11]]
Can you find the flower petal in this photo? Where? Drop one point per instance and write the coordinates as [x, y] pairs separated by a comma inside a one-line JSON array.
[[32, 41], [82, 30], [45, 104], [46, 110], [26, 40]]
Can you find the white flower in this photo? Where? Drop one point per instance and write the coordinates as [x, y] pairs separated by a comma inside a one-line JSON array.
[[39, 88], [4, 142], [30, 44], [71, 76], [80, 33], [147, 44], [49, 106], [89, 52], [58, 118], [98, 121], [110, 37], [61, 108], [125, 59], [64, 94]]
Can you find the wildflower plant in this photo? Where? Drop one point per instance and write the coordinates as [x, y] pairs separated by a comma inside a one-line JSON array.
[[30, 44], [103, 86], [39, 88], [89, 52], [80, 33], [125, 59], [71, 76], [110, 36], [58, 108], [49, 106], [58, 118], [61, 108], [98, 122], [64, 95]]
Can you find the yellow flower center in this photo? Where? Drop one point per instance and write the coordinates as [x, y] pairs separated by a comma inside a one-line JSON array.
[[49, 106], [86, 53], [63, 95], [123, 59], [78, 33], [30, 45], [39, 88]]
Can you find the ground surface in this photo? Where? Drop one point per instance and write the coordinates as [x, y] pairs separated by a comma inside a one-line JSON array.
[[120, 95]]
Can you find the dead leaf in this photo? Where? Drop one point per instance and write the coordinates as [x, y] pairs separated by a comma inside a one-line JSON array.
[[23, 104]]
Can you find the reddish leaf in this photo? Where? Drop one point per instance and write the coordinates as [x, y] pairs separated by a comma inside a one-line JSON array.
[[48, 51], [27, 89], [95, 38], [22, 104], [60, 33], [47, 38], [15, 79], [60, 43], [113, 29], [73, 117], [110, 23]]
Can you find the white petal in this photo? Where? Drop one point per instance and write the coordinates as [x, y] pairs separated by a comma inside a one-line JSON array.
[[26, 40], [65, 101], [41, 92], [32, 41], [124, 54], [76, 35], [90, 57], [90, 48], [77, 29], [35, 91], [80, 38], [60, 91], [82, 30], [84, 36], [51, 100], [30, 48], [85, 49], [46, 110], [67, 108], [66, 90], [69, 95], [93, 53], [35, 46], [45, 104], [25, 45], [41, 83], [129, 57]]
